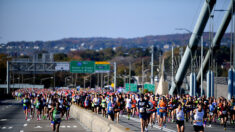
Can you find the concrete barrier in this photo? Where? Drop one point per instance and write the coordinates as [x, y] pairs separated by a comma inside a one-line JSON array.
[[95, 122]]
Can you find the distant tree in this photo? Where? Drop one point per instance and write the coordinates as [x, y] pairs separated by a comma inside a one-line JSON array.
[[61, 57]]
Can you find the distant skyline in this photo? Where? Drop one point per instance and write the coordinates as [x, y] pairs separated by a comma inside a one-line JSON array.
[[43, 20]]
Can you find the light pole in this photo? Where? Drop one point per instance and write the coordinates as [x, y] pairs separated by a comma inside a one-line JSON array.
[[152, 63], [84, 83], [65, 79], [129, 76], [27, 79], [143, 77], [187, 30]]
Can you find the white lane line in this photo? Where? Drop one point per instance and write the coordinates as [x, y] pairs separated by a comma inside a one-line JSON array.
[[38, 127], [28, 119], [4, 127], [75, 126], [68, 126], [137, 120], [25, 125], [21, 130], [10, 127], [62, 126], [3, 119], [83, 126]]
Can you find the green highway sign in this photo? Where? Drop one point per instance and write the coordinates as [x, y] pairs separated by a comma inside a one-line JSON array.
[[82, 66], [102, 67], [149, 87], [133, 87]]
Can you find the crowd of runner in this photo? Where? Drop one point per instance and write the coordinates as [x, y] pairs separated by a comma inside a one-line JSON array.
[[154, 109], [45, 104], [149, 108]]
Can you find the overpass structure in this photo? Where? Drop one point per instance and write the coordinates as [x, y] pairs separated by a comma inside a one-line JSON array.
[[35, 65], [16, 86]]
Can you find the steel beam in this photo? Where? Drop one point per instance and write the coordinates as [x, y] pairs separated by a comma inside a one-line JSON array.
[[217, 39], [191, 48]]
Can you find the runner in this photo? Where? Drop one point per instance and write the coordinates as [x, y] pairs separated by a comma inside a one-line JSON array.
[[26, 105], [96, 104], [110, 108], [232, 111], [211, 112], [180, 118], [117, 108], [56, 117], [162, 112], [153, 113], [149, 110], [133, 105], [188, 108], [38, 105], [142, 113], [224, 114], [198, 119], [32, 108], [67, 107], [103, 106], [44, 107], [128, 106]]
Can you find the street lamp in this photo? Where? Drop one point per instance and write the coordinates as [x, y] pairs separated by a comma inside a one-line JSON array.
[[65, 79], [84, 85], [187, 30], [46, 79]]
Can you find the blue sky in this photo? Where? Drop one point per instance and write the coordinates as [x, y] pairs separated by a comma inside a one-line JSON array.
[[31, 20]]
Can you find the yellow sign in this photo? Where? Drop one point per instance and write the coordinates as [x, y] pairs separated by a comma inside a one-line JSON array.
[[102, 62], [112, 85]]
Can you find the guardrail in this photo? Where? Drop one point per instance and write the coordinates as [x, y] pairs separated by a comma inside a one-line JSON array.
[[95, 122]]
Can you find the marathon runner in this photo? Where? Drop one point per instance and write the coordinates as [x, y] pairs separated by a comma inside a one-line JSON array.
[[198, 119], [142, 104], [180, 118], [56, 112], [26, 105]]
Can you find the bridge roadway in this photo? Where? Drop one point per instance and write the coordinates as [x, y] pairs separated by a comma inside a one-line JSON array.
[[134, 125], [12, 119]]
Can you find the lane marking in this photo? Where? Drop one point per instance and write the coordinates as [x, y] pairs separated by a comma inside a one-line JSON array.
[[28, 119], [3, 119], [137, 120], [75, 126], [38, 127], [62, 126], [25, 125], [10, 127], [83, 126], [21, 130], [68, 126], [4, 127]]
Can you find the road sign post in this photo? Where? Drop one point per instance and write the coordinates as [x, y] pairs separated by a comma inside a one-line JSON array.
[[149, 87], [82, 66], [102, 67], [132, 87]]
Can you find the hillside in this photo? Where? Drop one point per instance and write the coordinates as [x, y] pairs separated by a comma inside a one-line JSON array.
[[71, 44]]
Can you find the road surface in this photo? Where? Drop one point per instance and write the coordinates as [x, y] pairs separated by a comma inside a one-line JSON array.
[[12, 119]]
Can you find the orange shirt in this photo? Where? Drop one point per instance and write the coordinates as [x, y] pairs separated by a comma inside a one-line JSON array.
[[133, 105], [162, 105]]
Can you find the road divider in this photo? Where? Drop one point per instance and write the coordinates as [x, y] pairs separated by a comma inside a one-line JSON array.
[[95, 122]]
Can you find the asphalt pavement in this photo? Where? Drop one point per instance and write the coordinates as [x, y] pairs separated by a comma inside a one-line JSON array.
[[12, 119], [134, 125]]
